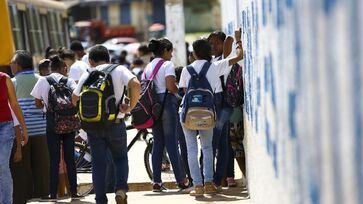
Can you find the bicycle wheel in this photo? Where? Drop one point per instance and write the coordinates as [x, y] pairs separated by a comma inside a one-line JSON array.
[[84, 168], [167, 173], [82, 157]]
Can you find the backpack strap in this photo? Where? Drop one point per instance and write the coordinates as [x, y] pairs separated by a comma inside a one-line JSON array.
[[205, 69], [155, 70], [202, 72], [107, 70], [51, 80], [64, 80], [192, 71]]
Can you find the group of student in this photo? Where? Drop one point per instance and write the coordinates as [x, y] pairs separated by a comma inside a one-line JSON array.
[[73, 69]]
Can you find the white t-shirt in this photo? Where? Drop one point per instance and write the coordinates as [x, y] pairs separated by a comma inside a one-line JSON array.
[[42, 87], [77, 69], [85, 60], [215, 70], [167, 69], [120, 78]]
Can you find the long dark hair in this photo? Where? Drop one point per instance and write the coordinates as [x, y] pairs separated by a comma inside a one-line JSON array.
[[56, 63], [202, 49], [158, 46]]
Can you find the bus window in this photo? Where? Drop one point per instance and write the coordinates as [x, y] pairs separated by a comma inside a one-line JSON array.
[[53, 30], [60, 32], [17, 28], [35, 32], [45, 29]]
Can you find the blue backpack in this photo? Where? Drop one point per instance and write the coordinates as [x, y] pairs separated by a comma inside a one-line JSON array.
[[198, 110]]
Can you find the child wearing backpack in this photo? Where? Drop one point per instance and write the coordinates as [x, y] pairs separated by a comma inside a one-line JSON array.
[[55, 93], [164, 127], [200, 81]]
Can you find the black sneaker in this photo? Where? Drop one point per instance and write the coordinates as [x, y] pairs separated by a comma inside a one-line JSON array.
[[184, 184], [48, 198], [76, 196], [158, 188]]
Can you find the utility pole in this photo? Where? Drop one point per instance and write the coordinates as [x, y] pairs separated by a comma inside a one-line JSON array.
[[175, 30]]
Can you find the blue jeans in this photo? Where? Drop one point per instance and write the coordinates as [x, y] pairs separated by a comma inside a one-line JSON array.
[[206, 137], [183, 149], [6, 144], [54, 141], [220, 138], [114, 139], [164, 136]]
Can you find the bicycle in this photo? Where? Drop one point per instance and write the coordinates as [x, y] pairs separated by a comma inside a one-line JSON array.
[[84, 165]]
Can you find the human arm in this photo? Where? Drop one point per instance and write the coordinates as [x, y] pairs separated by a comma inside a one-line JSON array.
[[171, 84], [134, 90], [227, 46], [16, 108], [239, 48], [18, 152]]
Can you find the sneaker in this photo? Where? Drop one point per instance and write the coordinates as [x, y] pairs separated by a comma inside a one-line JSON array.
[[49, 198], [121, 197], [184, 184], [197, 192], [76, 196], [158, 187], [210, 188], [231, 182]]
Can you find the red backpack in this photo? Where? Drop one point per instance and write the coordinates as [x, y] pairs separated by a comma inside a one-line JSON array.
[[148, 109]]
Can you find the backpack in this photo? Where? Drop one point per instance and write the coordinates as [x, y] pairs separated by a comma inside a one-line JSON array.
[[97, 102], [148, 109], [233, 89], [61, 113], [198, 109]]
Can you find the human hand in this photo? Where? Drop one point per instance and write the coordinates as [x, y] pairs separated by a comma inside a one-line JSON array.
[[237, 34], [124, 108], [18, 156], [25, 137]]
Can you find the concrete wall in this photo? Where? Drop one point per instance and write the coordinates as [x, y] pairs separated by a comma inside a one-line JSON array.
[[303, 75]]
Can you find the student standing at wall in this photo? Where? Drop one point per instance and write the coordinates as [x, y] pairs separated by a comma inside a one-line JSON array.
[[35, 158], [8, 96], [202, 54], [217, 41]]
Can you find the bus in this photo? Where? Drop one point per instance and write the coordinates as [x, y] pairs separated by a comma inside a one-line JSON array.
[[31, 25]]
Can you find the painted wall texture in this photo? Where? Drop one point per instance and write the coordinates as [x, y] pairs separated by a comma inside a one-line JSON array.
[[303, 100]]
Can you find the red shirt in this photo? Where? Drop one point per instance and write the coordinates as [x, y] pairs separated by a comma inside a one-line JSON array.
[[5, 114]]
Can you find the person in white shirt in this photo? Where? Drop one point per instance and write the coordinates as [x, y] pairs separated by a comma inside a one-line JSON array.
[[40, 93], [202, 54], [164, 129], [112, 138], [75, 67]]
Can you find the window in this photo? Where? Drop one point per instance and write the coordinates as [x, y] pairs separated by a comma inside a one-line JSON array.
[[35, 31], [16, 24], [56, 29]]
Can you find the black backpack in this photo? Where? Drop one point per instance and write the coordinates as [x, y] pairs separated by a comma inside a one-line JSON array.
[[97, 102], [61, 113], [148, 109]]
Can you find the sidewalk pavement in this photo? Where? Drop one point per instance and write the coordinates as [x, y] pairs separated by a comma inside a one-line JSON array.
[[228, 195]]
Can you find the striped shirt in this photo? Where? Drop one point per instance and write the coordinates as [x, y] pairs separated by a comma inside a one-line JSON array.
[[34, 117]]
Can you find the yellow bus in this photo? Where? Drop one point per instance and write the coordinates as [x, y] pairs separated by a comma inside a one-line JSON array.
[[31, 25]]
